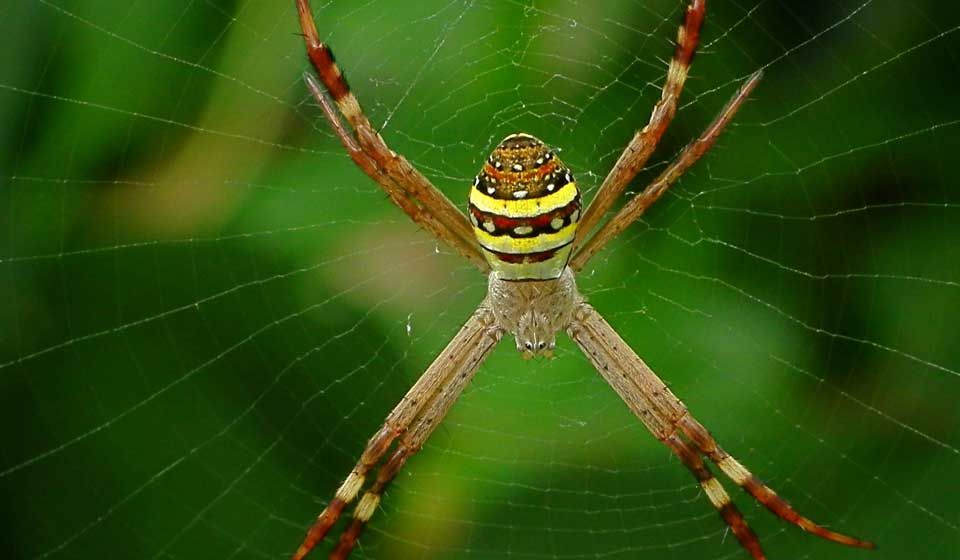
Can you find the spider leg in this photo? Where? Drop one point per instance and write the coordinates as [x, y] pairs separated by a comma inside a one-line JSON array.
[[664, 415], [419, 214], [348, 491], [407, 188], [638, 151], [457, 360], [412, 441], [743, 478], [693, 152], [368, 504], [717, 495]]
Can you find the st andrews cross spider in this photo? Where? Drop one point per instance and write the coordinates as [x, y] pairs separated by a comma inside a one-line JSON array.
[[527, 231]]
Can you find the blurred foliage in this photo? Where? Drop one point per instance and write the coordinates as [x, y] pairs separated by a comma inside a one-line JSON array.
[[205, 309]]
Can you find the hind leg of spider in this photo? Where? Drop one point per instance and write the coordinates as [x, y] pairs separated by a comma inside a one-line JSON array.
[[412, 441], [667, 418], [375, 449], [717, 495], [655, 406], [705, 443], [404, 184], [452, 361], [371, 499]]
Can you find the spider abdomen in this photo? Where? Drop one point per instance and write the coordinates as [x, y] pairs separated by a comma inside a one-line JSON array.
[[524, 207]]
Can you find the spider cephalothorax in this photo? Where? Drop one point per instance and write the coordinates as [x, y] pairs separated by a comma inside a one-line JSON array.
[[533, 311], [524, 207], [526, 231]]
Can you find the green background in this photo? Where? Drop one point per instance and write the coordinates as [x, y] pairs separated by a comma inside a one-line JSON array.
[[205, 309]]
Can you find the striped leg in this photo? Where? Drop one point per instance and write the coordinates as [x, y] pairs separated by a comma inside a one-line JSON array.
[[413, 440], [446, 370], [665, 416], [656, 406], [376, 447], [405, 186], [705, 443], [693, 152], [644, 142], [717, 496]]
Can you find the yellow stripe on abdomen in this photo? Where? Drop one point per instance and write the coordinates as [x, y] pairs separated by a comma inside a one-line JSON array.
[[524, 207], [525, 245]]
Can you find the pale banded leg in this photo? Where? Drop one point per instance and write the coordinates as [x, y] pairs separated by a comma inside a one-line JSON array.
[[412, 441], [419, 214], [376, 447], [666, 417], [459, 358], [638, 151], [743, 478], [406, 186], [717, 495], [639, 204], [655, 405]]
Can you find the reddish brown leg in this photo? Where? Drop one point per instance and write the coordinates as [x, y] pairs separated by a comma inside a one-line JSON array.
[[369, 502], [667, 418], [419, 214], [413, 440], [717, 495], [704, 442], [376, 447], [406, 186], [644, 142], [444, 373], [693, 152]]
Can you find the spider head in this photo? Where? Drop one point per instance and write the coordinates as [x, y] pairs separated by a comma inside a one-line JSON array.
[[535, 335]]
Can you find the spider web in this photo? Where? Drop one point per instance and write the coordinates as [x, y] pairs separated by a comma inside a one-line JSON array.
[[206, 310]]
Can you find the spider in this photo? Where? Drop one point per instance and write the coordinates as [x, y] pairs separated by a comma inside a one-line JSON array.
[[527, 230]]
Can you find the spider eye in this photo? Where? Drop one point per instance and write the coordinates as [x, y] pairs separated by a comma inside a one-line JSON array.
[[528, 345], [541, 345]]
